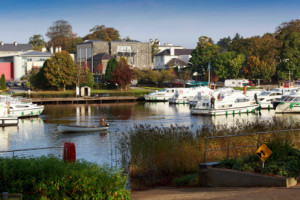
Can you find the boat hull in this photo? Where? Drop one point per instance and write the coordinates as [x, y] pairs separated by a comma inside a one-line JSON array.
[[287, 107], [228, 111], [76, 129], [27, 112]]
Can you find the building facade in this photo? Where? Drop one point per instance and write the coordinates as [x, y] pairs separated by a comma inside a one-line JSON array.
[[16, 60], [138, 54], [172, 56]]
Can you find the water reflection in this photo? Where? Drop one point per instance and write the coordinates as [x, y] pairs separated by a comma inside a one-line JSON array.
[[99, 147]]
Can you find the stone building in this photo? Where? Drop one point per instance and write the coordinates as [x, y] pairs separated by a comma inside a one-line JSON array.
[[96, 53]]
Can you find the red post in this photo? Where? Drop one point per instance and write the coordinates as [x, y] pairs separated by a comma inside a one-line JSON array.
[[245, 90], [69, 152]]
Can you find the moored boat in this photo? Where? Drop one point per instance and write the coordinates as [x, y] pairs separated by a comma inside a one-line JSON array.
[[288, 104], [234, 103]]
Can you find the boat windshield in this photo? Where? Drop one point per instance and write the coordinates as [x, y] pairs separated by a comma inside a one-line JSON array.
[[163, 90], [297, 99], [264, 94], [289, 98]]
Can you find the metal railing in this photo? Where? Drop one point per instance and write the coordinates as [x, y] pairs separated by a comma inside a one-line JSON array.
[[31, 149], [240, 147]]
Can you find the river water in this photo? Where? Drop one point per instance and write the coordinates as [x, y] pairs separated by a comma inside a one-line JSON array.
[[100, 147]]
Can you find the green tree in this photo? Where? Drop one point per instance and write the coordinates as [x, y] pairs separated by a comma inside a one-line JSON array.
[[60, 34], [237, 65], [103, 33], [224, 43], [38, 42], [154, 50], [204, 53], [3, 82], [74, 42], [89, 78], [59, 70], [288, 33], [111, 66], [185, 75], [122, 75], [222, 66]]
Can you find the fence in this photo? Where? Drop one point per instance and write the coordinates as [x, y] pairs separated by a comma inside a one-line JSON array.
[[258, 141], [32, 149]]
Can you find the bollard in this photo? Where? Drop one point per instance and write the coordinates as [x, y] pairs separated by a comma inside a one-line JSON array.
[[69, 152]]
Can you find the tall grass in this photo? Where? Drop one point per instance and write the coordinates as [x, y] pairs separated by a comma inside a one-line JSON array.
[[156, 154]]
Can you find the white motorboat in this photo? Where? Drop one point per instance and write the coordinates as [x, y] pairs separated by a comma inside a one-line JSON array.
[[288, 104], [266, 98], [162, 95], [21, 107], [186, 95], [234, 103], [76, 129], [206, 92]]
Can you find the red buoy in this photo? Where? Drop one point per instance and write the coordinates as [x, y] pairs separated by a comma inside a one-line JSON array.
[[69, 152]]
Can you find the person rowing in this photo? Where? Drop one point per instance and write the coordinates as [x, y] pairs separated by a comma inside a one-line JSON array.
[[103, 123]]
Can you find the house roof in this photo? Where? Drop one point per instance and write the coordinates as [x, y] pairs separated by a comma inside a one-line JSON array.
[[37, 53], [176, 62], [13, 47], [101, 56], [177, 52]]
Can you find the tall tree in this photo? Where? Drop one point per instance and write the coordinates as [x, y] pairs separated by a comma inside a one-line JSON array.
[[60, 34], [59, 70], [222, 66], [154, 50], [122, 75], [3, 82], [110, 68], [288, 33], [224, 43], [237, 65], [74, 42], [103, 33], [37, 41], [204, 53]]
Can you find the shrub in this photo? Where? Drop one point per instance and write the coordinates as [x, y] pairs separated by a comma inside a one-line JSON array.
[[184, 180], [284, 160], [51, 178]]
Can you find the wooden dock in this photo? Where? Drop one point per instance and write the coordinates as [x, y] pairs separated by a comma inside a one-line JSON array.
[[86, 100]]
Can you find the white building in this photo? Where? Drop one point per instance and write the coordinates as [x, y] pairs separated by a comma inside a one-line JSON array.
[[174, 56], [16, 60]]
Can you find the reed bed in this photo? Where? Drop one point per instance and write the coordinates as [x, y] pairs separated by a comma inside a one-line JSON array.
[[156, 155]]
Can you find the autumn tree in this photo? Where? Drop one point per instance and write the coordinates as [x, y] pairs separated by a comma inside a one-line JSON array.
[[110, 68], [60, 34], [122, 75], [103, 33], [59, 70], [185, 74], [204, 53], [253, 68], [38, 42], [288, 33]]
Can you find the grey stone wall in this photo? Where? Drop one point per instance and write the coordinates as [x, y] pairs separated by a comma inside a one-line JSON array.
[[141, 52]]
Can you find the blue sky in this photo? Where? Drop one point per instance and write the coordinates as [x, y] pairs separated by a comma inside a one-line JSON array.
[[177, 22]]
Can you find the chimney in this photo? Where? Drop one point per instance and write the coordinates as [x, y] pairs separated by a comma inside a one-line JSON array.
[[171, 51], [2, 44], [15, 43], [51, 49]]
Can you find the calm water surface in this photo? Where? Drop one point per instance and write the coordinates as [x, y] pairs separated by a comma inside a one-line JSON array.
[[99, 147]]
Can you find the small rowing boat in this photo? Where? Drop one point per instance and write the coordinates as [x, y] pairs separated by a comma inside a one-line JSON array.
[[75, 129]]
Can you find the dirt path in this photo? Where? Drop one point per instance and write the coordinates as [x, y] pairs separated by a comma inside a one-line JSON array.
[[241, 193]]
